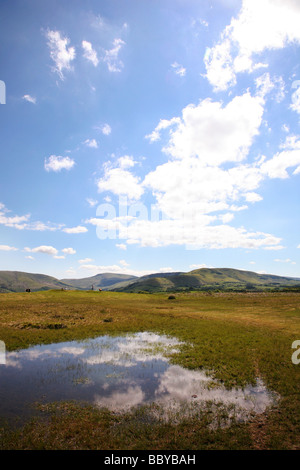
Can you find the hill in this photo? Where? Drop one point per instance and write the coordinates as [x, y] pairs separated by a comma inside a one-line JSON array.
[[17, 281], [211, 279], [199, 279], [105, 281]]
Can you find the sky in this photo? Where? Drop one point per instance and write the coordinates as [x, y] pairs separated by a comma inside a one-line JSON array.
[[141, 136]]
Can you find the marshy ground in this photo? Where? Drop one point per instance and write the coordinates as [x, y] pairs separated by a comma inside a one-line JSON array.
[[237, 337]]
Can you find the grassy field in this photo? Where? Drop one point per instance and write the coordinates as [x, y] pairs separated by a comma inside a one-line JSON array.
[[237, 336]]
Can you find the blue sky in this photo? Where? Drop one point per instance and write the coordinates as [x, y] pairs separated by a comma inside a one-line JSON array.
[[141, 136]]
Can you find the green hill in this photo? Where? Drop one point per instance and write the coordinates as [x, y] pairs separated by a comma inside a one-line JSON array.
[[17, 281], [105, 281], [199, 279], [211, 279]]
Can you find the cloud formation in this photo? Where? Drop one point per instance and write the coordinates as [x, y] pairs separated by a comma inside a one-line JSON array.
[[261, 25], [89, 53], [57, 163], [60, 52]]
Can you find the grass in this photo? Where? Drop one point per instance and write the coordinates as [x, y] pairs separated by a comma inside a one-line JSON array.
[[237, 336]]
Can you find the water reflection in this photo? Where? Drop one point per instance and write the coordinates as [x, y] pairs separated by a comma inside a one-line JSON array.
[[117, 373]]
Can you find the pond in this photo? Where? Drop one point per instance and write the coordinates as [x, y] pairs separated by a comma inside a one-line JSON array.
[[117, 373]]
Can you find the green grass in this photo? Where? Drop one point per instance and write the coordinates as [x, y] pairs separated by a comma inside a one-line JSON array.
[[235, 336]]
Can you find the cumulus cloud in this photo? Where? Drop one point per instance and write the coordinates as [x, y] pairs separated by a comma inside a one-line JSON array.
[[89, 53], [206, 179], [68, 251], [198, 266], [265, 85], [78, 229], [106, 129], [92, 143], [120, 181], [22, 222], [92, 202], [111, 56], [85, 260], [126, 162], [29, 98], [60, 52], [8, 248], [295, 106], [93, 269], [58, 163], [287, 260], [260, 25], [121, 246], [216, 133], [178, 69], [45, 249]]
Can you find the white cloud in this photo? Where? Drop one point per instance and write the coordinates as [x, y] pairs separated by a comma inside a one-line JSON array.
[[285, 128], [295, 106], [219, 67], [29, 257], [91, 202], [92, 143], [30, 99], [94, 269], [60, 53], [163, 124], [278, 165], [197, 266], [274, 248], [111, 56], [261, 25], [123, 263], [178, 69], [85, 260], [59, 257], [287, 260], [121, 246], [205, 181], [16, 221], [120, 182], [78, 229], [265, 85], [45, 249], [252, 197], [69, 251], [126, 162], [89, 53], [235, 126], [8, 248], [106, 129], [58, 163], [23, 222]]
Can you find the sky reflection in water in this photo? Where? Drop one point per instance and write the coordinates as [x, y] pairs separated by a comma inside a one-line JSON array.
[[115, 372]]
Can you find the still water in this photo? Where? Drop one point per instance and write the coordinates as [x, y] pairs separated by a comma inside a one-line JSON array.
[[118, 373]]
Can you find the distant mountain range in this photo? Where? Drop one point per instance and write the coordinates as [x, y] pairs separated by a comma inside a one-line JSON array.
[[199, 279]]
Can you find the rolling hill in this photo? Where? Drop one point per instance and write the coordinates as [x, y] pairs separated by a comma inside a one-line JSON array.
[[103, 281], [199, 279], [210, 279], [17, 281]]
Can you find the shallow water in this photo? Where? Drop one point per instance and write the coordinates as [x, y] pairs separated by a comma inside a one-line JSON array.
[[117, 373]]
